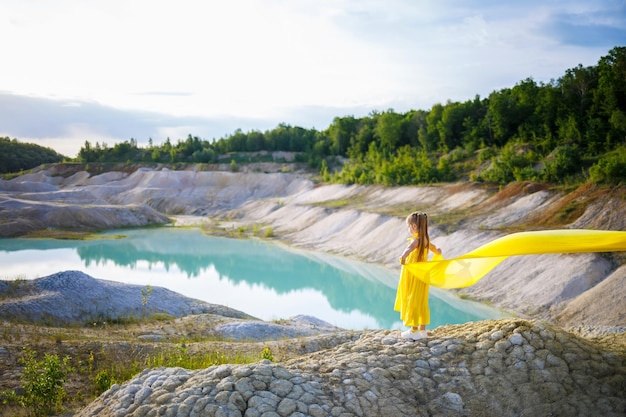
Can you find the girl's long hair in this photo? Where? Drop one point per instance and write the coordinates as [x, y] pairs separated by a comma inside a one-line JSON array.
[[421, 220]]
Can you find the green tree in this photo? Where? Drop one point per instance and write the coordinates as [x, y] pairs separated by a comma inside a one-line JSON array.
[[577, 86], [341, 133], [255, 141], [429, 137], [450, 127], [388, 130], [362, 140], [609, 100], [568, 131]]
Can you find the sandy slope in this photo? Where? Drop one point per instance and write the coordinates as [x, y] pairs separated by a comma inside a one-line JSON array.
[[365, 222]]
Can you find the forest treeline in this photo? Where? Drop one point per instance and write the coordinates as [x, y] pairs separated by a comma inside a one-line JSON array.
[[16, 156], [570, 130]]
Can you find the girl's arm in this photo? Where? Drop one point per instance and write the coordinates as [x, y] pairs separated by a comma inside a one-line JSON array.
[[412, 247], [435, 249], [408, 250]]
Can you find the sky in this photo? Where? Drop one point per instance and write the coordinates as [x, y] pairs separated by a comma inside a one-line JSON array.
[[107, 71]]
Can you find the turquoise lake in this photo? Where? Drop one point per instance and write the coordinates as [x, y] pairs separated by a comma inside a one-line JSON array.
[[264, 279]]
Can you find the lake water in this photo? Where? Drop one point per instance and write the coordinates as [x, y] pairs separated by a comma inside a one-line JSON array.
[[266, 280]]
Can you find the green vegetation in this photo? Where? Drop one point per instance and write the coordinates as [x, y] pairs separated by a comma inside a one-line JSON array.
[[16, 156], [45, 374], [43, 383], [267, 354], [568, 131], [16, 287], [242, 231], [70, 235], [145, 297], [116, 370], [115, 356]]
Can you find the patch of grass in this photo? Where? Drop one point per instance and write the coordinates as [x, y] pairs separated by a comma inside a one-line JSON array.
[[450, 221], [570, 207], [16, 287], [128, 320], [334, 203], [398, 210], [111, 366], [69, 235], [242, 231], [570, 212], [355, 202], [179, 356]]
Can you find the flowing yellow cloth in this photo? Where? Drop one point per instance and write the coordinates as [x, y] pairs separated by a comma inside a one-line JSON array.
[[468, 269]]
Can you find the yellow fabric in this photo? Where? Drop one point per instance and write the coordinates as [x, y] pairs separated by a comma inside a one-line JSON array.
[[412, 296], [468, 269]]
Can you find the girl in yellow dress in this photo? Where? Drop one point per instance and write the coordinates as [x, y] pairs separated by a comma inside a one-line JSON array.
[[412, 294]]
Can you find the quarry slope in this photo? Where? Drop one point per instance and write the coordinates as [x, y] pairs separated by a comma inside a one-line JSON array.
[[363, 222], [563, 355]]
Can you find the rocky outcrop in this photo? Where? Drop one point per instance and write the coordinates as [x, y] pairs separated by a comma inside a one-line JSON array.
[[72, 298], [114, 199], [28, 217], [494, 368]]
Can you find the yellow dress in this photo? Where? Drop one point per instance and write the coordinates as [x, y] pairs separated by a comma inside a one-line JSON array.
[[412, 295]]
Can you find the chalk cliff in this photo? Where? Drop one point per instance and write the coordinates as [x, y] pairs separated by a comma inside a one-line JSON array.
[[353, 221]]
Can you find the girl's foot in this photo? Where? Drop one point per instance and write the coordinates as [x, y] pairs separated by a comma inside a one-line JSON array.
[[414, 335]]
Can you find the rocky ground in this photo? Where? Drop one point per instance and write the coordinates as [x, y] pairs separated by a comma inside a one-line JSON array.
[[495, 368], [564, 356]]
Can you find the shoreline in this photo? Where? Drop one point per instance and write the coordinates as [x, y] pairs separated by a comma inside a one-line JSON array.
[[357, 222]]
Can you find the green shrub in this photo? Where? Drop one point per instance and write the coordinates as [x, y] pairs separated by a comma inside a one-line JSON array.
[[103, 381], [513, 163], [485, 154], [43, 383], [611, 168], [565, 161], [267, 354]]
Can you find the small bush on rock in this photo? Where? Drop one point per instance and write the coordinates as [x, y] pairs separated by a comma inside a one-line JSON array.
[[267, 354]]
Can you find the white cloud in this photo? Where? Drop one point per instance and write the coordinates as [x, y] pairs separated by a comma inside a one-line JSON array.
[[268, 60], [240, 56]]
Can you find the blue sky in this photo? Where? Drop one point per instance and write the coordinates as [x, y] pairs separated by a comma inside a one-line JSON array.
[[106, 71]]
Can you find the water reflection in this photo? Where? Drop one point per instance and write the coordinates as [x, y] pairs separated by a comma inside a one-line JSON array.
[[249, 275]]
